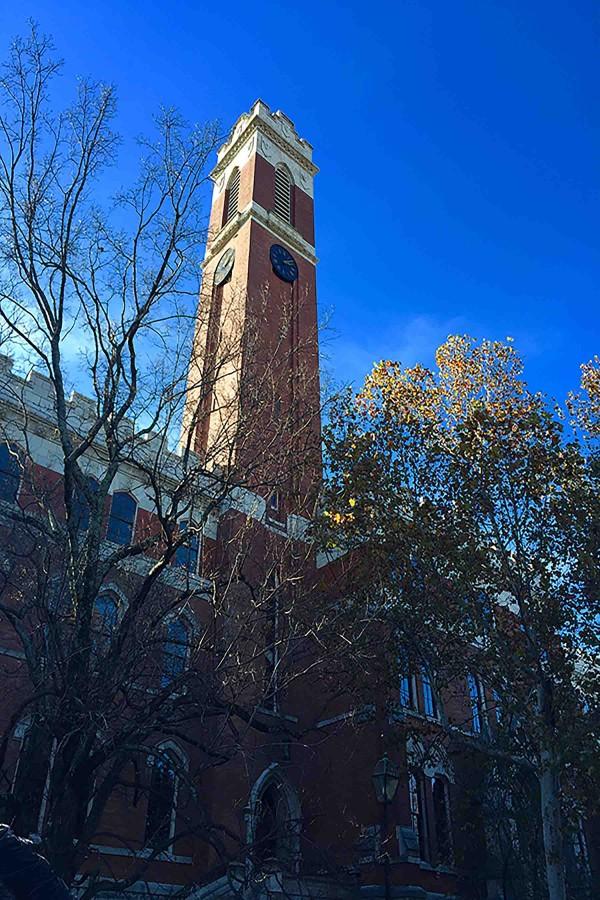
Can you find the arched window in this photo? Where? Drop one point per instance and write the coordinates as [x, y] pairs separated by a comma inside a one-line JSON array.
[[232, 196], [81, 503], [275, 820], [282, 202], [162, 798], [176, 649], [121, 519], [10, 472], [187, 553], [272, 837], [430, 773]]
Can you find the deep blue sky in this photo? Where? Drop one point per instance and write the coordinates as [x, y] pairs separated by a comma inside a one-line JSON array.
[[458, 142]]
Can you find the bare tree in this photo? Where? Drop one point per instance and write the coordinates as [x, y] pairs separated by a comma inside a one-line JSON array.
[[102, 298]]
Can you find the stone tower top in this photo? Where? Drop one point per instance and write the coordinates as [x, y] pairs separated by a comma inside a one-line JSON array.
[[273, 136]]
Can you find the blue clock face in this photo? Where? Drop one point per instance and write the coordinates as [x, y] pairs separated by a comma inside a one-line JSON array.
[[284, 264]]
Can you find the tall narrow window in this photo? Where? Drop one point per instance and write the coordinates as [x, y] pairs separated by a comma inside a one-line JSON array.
[[442, 820], [160, 818], [406, 692], [81, 504], [232, 196], [282, 204], [429, 704], [476, 698], [10, 473], [175, 651], [273, 833], [121, 519], [187, 553], [275, 506]]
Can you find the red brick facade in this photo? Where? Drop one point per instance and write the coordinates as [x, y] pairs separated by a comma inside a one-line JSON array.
[[321, 739]]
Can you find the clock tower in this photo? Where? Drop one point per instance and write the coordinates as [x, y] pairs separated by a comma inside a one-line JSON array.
[[253, 392]]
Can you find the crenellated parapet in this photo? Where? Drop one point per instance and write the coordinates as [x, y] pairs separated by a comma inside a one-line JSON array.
[[28, 418]]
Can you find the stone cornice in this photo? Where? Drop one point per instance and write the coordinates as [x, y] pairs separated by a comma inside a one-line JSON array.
[[269, 220], [258, 124]]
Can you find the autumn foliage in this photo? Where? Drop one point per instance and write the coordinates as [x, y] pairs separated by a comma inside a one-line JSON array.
[[474, 500]]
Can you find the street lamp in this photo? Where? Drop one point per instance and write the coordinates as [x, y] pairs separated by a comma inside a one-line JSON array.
[[386, 777]]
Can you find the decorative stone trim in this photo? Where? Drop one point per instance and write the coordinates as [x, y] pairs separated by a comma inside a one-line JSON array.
[[269, 220], [259, 124], [360, 716]]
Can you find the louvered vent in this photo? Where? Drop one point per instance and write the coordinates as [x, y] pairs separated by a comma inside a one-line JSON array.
[[283, 195], [233, 195]]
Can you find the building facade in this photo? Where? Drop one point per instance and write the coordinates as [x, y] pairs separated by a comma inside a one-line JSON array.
[[272, 771]]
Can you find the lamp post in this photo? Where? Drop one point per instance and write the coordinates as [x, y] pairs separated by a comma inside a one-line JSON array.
[[386, 777]]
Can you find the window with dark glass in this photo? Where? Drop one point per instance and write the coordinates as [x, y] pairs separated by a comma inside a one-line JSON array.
[[429, 702], [187, 553], [477, 701], [275, 509], [81, 504], [160, 817], [10, 472], [121, 519], [175, 651], [406, 692], [273, 826]]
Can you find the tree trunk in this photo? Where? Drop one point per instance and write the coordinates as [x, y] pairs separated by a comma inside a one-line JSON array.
[[552, 830]]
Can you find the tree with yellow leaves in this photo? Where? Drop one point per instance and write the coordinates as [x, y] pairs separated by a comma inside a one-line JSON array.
[[474, 504]]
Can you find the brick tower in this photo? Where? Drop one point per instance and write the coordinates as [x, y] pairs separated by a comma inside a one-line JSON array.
[[253, 398]]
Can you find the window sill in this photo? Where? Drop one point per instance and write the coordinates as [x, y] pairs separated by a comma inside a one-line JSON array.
[[400, 713], [140, 564], [276, 714], [276, 524], [429, 867], [163, 856]]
